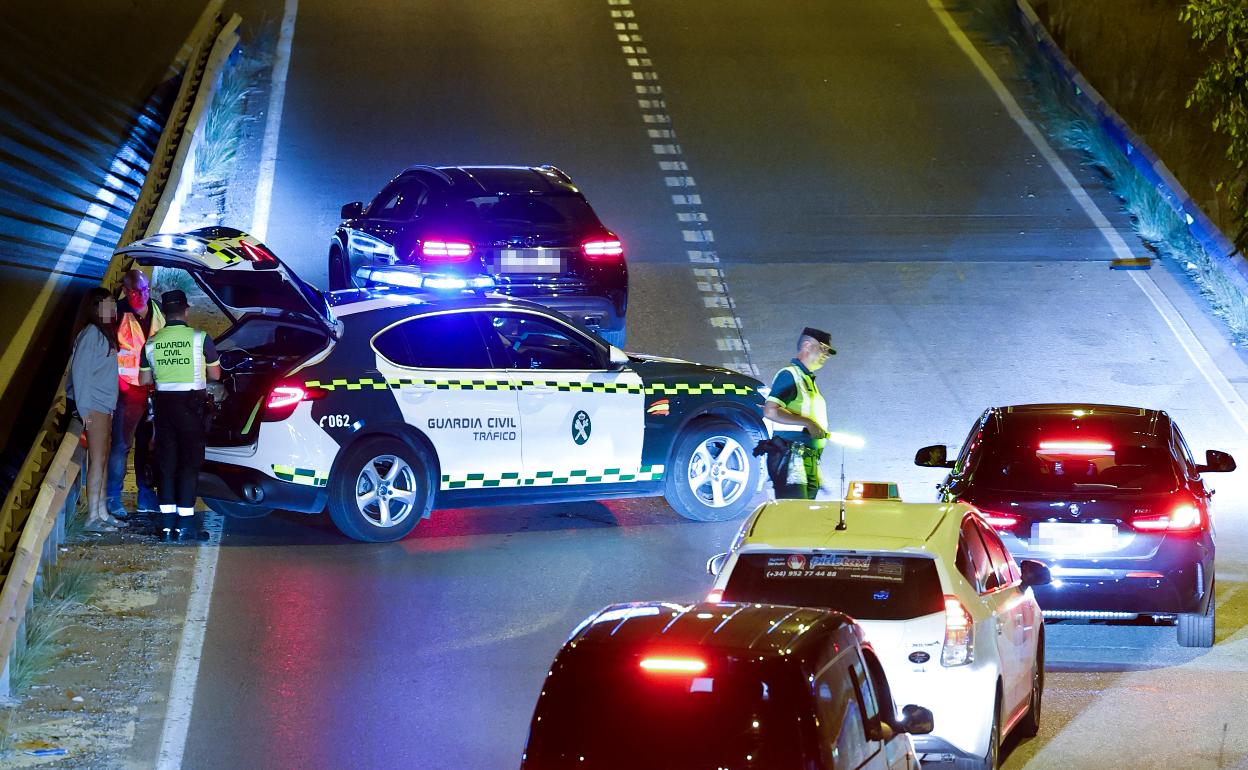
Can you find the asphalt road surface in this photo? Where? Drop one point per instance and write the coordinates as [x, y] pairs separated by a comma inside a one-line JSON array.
[[856, 172]]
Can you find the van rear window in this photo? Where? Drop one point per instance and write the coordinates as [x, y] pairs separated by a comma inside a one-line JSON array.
[[864, 586]]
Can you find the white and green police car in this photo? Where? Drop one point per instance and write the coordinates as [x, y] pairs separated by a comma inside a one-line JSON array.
[[385, 406]]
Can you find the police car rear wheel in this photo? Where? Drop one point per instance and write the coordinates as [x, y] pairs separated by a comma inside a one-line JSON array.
[[381, 492], [712, 476], [237, 510]]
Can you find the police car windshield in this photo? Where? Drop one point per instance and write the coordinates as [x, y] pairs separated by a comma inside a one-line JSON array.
[[863, 586], [607, 712]]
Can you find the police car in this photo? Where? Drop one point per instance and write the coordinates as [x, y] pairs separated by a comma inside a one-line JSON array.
[[948, 611], [384, 406]]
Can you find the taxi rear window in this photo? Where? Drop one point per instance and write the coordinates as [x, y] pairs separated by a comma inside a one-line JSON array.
[[863, 586]]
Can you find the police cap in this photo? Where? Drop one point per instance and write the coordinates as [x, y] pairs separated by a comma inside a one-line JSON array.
[[173, 301], [820, 336]]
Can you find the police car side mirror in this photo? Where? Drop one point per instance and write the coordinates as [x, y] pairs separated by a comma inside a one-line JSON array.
[[715, 564], [352, 210], [916, 720], [1035, 573], [617, 359], [1216, 462], [934, 456]]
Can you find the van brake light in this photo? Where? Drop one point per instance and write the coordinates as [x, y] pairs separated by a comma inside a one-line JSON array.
[[673, 665]]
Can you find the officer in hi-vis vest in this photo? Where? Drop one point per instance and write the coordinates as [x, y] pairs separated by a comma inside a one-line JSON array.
[[795, 401], [180, 360]]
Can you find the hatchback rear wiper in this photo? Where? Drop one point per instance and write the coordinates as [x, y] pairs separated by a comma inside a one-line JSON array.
[[1097, 485]]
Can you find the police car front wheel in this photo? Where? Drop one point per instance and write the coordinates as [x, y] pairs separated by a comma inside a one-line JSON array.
[[713, 475], [381, 491]]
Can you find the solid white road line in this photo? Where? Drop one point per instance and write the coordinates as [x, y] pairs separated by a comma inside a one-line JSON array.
[[273, 124], [79, 243], [190, 650], [1196, 352]]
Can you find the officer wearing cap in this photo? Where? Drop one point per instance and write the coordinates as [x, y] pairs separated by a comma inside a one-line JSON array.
[[796, 405], [180, 360]]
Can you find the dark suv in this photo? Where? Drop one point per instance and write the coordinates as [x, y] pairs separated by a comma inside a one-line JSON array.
[[1108, 496], [657, 685], [525, 231]]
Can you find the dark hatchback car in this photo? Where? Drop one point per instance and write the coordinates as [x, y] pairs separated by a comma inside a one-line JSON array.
[[524, 231], [1108, 496], [710, 686]]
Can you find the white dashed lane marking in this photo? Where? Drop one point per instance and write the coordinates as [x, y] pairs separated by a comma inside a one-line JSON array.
[[695, 226]]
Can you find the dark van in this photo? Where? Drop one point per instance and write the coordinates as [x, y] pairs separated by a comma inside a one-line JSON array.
[[665, 686]]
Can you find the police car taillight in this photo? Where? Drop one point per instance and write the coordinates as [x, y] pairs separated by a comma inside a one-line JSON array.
[[959, 647], [446, 251], [601, 249], [673, 665], [284, 398]]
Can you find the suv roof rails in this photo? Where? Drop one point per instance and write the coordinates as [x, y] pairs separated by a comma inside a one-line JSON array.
[[557, 171], [432, 170]]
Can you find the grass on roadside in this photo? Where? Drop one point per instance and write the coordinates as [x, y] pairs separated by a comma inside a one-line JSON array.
[[1064, 120], [227, 115]]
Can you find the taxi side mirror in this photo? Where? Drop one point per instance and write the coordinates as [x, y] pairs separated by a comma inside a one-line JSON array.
[[1035, 573], [1216, 462], [916, 720], [715, 564], [934, 456], [617, 359], [352, 210]]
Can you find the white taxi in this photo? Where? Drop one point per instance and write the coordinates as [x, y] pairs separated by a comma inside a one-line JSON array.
[[947, 609]]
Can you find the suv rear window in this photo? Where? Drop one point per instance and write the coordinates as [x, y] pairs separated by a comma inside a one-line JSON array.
[[605, 711], [863, 586], [563, 213]]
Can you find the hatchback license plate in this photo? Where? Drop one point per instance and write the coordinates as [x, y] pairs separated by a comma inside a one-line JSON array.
[[530, 261], [1085, 537]]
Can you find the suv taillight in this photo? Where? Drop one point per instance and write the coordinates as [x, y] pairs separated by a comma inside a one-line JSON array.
[[446, 251], [959, 648], [283, 399], [1184, 519], [602, 249]]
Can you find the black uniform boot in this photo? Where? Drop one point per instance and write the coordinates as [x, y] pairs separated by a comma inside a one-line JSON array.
[[167, 530]]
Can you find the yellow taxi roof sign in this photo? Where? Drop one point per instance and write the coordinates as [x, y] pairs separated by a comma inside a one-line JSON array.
[[873, 490]]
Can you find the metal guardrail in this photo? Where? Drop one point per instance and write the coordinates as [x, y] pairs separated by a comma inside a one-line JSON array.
[[33, 515]]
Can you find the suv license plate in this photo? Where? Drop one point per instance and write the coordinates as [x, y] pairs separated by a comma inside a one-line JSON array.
[[530, 261]]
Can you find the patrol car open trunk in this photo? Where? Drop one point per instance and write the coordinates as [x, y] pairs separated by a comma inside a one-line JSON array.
[[273, 321]]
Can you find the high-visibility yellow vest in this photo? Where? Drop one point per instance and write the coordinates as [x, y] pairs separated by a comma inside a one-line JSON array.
[[130, 341], [176, 357], [810, 402]]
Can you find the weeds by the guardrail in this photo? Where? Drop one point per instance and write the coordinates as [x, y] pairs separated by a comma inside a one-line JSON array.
[[1065, 122]]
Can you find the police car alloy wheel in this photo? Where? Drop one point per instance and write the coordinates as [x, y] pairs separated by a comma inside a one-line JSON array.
[[238, 510], [381, 490], [713, 476]]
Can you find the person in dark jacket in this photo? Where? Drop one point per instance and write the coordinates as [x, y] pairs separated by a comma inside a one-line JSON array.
[[93, 389]]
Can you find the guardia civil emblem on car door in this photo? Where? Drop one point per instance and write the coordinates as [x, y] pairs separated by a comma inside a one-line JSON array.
[[580, 427]]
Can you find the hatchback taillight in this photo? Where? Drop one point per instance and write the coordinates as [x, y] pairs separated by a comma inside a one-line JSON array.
[[959, 648], [1184, 519], [283, 399], [602, 249], [1001, 521]]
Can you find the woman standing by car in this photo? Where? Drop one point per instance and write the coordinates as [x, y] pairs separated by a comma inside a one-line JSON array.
[[93, 387]]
